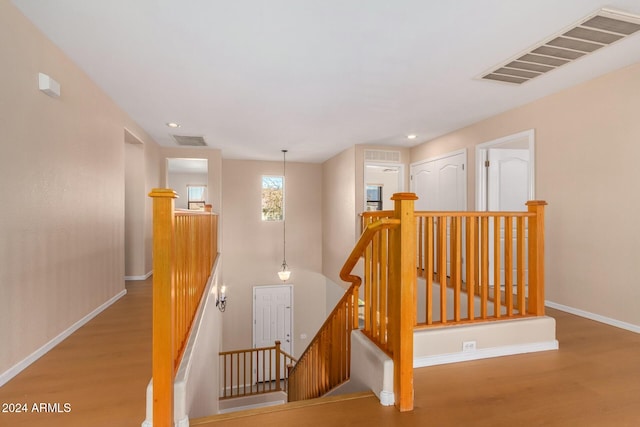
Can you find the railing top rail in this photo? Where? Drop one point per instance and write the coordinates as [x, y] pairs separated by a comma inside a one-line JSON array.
[[249, 350], [474, 214], [361, 245], [384, 214], [179, 212], [375, 214]]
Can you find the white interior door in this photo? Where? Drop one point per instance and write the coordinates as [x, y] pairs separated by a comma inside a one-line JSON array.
[[507, 190], [272, 321], [441, 185]]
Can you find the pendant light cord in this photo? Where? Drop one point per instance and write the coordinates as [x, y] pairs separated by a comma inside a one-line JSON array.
[[284, 218]]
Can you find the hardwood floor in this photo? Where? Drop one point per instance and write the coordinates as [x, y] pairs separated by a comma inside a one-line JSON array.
[[593, 380], [103, 369]]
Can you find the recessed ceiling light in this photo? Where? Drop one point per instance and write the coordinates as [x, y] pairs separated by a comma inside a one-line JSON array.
[[412, 136], [173, 125]]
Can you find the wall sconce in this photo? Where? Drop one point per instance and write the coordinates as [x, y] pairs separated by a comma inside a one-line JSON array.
[[221, 299]]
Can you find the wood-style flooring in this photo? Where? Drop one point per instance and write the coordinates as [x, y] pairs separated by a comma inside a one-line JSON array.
[[102, 370]]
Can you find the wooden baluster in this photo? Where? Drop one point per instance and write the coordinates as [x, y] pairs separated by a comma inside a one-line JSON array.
[[471, 265], [496, 268], [367, 289], [420, 247], [484, 255], [508, 264], [375, 291], [442, 266], [536, 257], [520, 261], [456, 264], [384, 272], [429, 269]]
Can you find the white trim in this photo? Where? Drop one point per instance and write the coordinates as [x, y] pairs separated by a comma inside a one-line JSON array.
[[484, 353], [387, 398], [481, 173], [20, 366], [144, 277], [592, 316]]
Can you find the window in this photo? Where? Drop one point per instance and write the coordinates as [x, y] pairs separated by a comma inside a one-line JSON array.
[[272, 198], [196, 197]]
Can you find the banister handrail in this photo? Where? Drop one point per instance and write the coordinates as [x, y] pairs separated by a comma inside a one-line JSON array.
[[333, 367], [357, 252]]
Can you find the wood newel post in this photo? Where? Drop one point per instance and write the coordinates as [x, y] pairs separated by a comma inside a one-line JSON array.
[[163, 368], [278, 357], [536, 257], [401, 298]]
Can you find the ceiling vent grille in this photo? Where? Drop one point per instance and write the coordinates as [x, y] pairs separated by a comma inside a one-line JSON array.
[[592, 33], [189, 141], [382, 156]]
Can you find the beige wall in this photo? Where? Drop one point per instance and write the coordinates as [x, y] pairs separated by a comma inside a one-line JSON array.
[[338, 212], [587, 142], [62, 169], [253, 249]]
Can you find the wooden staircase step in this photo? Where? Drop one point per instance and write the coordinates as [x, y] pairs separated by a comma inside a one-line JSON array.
[[214, 419]]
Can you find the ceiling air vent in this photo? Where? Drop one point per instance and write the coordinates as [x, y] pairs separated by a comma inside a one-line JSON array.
[[189, 141], [592, 33], [382, 156]]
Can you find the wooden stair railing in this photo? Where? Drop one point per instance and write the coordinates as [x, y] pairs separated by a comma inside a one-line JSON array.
[[388, 316], [325, 364], [514, 240], [254, 371], [184, 253]]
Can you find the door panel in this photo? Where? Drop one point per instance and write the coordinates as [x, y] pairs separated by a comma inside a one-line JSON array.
[[272, 317], [508, 190], [440, 185]]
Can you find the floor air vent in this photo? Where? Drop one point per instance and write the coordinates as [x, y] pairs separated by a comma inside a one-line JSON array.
[[190, 141], [592, 33]]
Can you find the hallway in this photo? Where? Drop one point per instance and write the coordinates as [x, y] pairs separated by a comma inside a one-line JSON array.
[[101, 371]]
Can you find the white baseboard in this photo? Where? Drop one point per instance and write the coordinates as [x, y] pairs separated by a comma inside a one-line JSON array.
[[20, 366], [144, 277], [387, 398], [592, 316], [484, 353]]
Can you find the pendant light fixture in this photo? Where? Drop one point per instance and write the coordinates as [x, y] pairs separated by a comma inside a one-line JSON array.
[[284, 272]]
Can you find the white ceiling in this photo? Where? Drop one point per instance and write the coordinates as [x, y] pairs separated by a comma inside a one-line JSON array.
[[315, 76]]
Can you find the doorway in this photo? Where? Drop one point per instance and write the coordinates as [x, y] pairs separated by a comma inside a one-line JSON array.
[[441, 185], [505, 182], [381, 181], [505, 172], [188, 177], [272, 320]]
